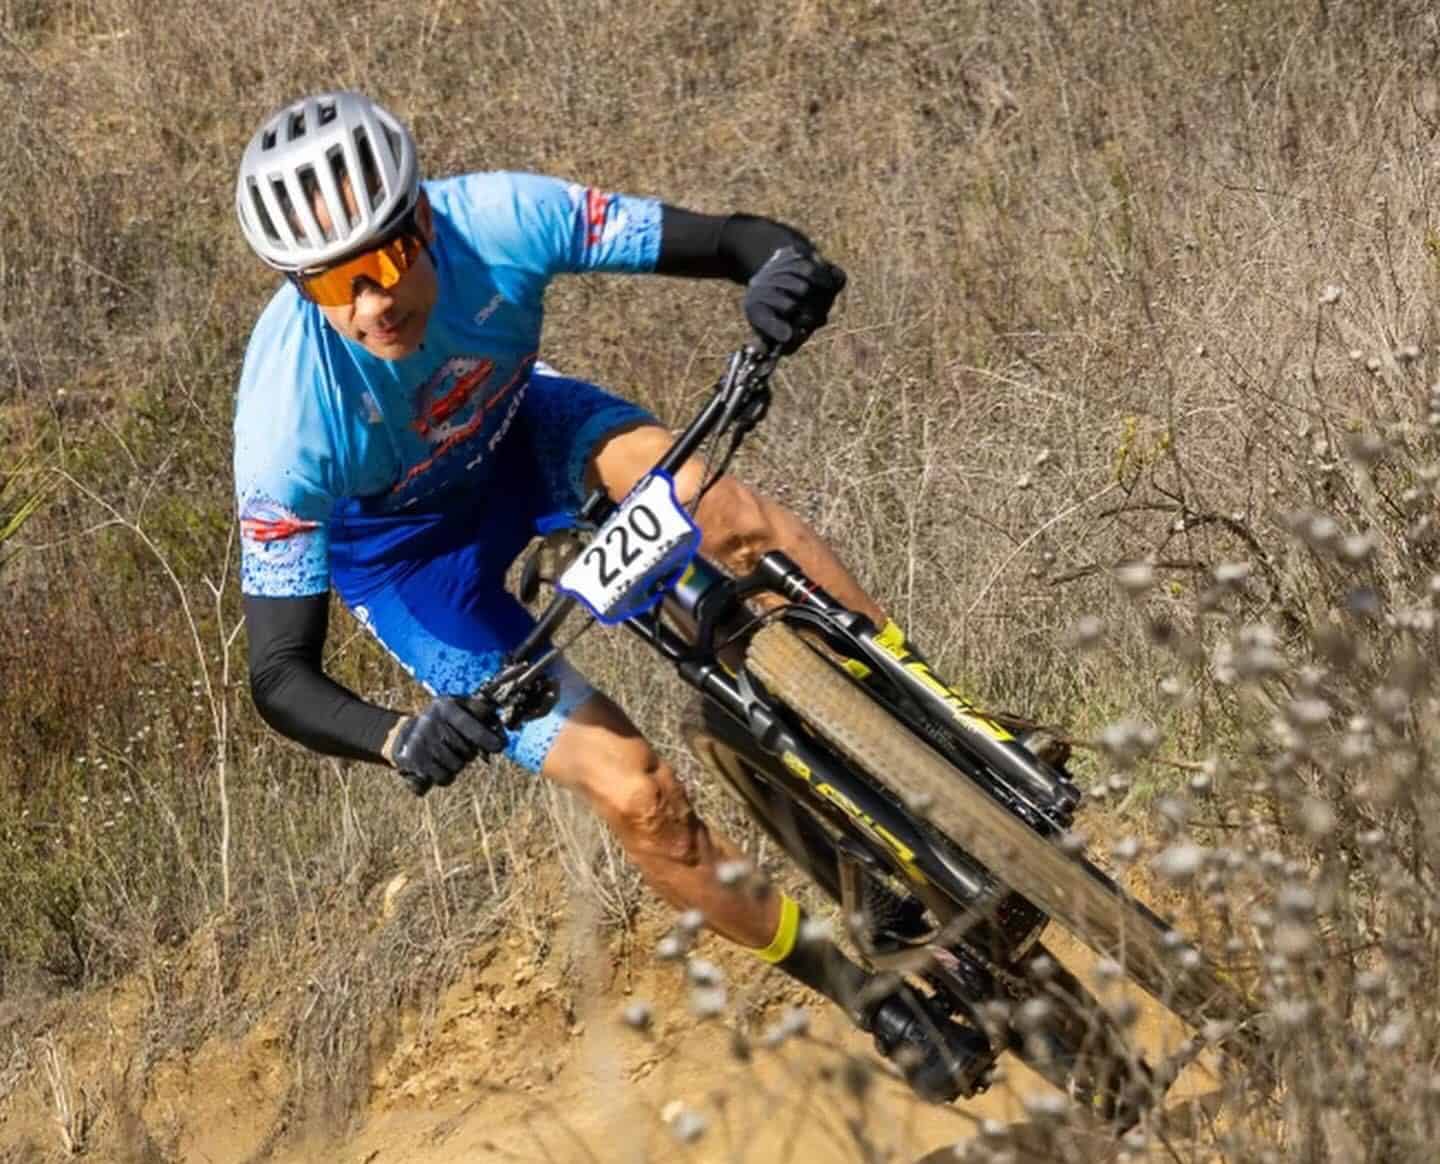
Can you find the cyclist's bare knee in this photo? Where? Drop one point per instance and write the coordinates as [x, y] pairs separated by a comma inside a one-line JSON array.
[[737, 524], [602, 756], [652, 816]]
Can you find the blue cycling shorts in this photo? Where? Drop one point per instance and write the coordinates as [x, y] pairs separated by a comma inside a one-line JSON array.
[[429, 582]]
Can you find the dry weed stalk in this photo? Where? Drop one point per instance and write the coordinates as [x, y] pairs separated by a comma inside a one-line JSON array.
[[217, 689], [73, 1114]]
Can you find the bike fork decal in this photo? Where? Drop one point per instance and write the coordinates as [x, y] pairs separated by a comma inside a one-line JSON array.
[[959, 707], [827, 791], [891, 640]]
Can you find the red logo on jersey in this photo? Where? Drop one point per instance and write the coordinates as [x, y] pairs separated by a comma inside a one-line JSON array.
[[434, 413], [442, 423], [597, 206], [263, 520]]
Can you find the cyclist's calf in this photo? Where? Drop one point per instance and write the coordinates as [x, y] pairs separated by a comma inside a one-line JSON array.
[[647, 808]]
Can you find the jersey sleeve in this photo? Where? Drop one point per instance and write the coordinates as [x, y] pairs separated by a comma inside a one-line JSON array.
[[284, 467], [284, 540], [553, 227]]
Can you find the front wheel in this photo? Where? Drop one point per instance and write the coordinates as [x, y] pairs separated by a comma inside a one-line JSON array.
[[1093, 908], [1075, 1046]]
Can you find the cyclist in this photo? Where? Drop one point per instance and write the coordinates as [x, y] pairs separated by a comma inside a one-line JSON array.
[[397, 438]]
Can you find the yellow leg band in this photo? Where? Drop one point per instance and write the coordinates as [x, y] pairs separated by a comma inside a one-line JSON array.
[[786, 933]]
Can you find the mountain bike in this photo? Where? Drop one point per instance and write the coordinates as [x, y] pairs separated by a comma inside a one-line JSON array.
[[943, 837]]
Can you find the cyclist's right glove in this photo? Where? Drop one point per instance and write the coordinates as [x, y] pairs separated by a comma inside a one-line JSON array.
[[431, 748], [790, 297]]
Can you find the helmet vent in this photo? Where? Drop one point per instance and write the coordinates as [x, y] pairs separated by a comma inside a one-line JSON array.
[[297, 124], [262, 214], [267, 140], [374, 187], [327, 112], [287, 207], [336, 158], [310, 188]]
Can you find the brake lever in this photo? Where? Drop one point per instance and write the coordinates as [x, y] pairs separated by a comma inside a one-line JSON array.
[[510, 700], [755, 408], [534, 701], [747, 388]]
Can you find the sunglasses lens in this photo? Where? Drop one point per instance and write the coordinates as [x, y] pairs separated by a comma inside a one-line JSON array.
[[384, 266]]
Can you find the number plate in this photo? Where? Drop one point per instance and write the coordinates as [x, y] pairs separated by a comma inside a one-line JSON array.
[[636, 555]]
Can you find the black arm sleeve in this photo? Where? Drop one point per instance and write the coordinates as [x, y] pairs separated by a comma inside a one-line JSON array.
[[707, 246], [293, 694]]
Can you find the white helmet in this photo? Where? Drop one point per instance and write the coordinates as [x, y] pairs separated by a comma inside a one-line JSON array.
[[303, 154]]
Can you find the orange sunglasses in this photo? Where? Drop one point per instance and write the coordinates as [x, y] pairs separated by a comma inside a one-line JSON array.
[[384, 264]]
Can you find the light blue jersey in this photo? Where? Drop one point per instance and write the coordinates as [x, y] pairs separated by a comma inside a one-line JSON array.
[[320, 420], [410, 485]]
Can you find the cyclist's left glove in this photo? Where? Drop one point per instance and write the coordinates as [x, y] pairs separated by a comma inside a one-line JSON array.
[[790, 297], [431, 748]]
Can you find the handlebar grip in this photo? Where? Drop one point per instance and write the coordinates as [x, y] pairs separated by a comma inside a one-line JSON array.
[[482, 707]]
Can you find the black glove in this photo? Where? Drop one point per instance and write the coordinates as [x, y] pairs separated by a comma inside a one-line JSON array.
[[790, 297], [432, 747]]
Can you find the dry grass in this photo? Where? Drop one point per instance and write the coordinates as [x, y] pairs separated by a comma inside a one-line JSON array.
[[1128, 283]]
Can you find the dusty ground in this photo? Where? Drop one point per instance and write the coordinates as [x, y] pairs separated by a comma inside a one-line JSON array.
[[606, 1093], [528, 1060]]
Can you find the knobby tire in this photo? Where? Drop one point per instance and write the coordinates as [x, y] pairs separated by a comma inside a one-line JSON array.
[[1101, 916]]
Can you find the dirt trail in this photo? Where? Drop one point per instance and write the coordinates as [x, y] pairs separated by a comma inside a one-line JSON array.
[[600, 1092], [526, 1059]]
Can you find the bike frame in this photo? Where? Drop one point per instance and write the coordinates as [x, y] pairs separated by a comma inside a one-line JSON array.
[[983, 929]]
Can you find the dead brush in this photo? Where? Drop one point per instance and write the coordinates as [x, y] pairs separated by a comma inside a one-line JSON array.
[[1137, 287]]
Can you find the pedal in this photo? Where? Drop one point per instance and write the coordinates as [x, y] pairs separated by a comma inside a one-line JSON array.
[[942, 1060]]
